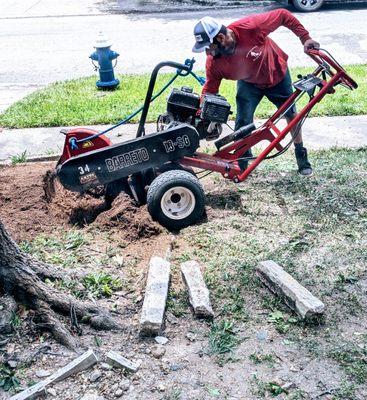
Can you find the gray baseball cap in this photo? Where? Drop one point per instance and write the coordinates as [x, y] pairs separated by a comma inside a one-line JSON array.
[[205, 31]]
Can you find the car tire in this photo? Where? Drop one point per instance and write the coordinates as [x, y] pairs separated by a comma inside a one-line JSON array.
[[176, 199], [308, 5]]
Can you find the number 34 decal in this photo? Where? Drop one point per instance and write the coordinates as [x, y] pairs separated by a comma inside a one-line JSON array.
[[84, 170]]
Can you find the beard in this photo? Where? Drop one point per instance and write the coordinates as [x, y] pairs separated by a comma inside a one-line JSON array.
[[225, 51]]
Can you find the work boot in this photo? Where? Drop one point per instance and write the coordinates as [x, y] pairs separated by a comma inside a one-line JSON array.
[[243, 164], [304, 166]]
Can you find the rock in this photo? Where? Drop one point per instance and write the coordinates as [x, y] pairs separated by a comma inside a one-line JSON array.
[[198, 292], [120, 261], [124, 385], [161, 388], [158, 351], [10, 349], [191, 336], [288, 385], [175, 367], [161, 339], [117, 360], [297, 297], [95, 375], [154, 305], [136, 377], [165, 368], [12, 363], [261, 336], [52, 392], [105, 366], [42, 373], [119, 393], [171, 318]]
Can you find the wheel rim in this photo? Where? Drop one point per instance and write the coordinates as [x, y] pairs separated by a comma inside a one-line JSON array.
[[178, 202], [309, 4]]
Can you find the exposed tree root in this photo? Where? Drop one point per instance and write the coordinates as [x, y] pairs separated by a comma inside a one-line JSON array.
[[50, 322], [44, 271], [23, 277], [8, 307]]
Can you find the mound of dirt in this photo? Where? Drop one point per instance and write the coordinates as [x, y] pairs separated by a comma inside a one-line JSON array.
[[30, 205], [136, 221], [77, 209]]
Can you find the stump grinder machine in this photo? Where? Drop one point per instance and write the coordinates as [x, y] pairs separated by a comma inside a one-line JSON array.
[[162, 168]]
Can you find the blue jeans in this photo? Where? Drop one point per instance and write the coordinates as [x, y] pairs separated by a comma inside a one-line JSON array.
[[249, 96]]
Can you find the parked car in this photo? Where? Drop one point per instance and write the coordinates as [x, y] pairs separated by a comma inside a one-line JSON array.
[[313, 5]]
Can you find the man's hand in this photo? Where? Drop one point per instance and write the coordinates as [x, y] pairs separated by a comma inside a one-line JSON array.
[[214, 130], [311, 44]]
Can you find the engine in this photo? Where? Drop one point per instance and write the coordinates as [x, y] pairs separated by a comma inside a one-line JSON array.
[[183, 106]]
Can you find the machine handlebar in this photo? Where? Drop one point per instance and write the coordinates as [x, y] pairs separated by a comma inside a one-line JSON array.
[[326, 60], [187, 67]]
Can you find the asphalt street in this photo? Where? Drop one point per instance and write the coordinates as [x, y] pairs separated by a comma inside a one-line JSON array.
[[44, 41]]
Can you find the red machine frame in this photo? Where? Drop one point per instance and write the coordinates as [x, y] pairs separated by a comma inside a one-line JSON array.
[[225, 160]]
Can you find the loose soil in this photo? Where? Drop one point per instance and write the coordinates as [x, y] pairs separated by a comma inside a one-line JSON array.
[[31, 206]]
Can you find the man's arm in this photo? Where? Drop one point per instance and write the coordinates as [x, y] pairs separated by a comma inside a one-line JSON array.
[[269, 22], [213, 79]]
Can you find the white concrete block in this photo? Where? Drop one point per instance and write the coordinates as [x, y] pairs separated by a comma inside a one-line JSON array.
[[154, 305], [297, 297], [81, 363], [198, 292]]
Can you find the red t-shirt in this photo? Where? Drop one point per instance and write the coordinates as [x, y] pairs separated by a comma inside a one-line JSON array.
[[257, 59]]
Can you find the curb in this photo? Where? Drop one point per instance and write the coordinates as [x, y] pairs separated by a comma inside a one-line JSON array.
[[30, 160]]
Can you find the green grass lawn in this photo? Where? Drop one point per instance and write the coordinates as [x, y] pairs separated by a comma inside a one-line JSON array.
[[314, 228], [78, 102]]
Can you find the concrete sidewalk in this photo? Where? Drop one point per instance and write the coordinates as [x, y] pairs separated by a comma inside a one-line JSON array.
[[319, 133]]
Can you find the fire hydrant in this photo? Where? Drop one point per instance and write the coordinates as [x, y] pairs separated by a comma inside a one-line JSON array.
[[104, 56]]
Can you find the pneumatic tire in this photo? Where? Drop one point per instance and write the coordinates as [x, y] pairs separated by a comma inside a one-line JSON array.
[[176, 199]]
